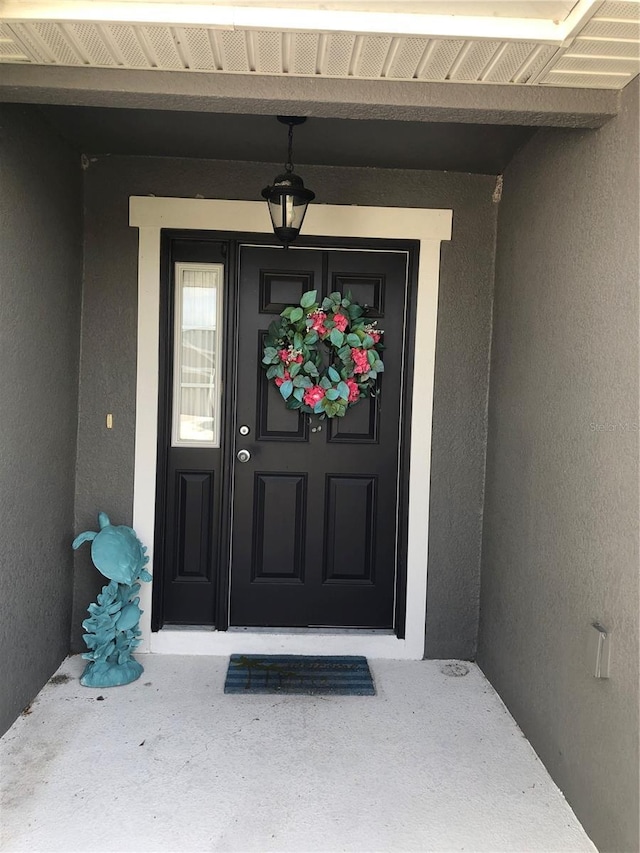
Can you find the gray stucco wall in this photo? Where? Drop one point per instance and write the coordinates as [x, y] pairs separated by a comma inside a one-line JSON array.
[[561, 513], [40, 287], [105, 458]]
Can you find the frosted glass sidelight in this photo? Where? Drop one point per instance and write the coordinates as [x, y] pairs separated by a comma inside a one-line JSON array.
[[197, 348]]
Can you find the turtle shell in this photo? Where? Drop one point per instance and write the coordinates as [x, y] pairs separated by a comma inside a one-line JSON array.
[[117, 553]]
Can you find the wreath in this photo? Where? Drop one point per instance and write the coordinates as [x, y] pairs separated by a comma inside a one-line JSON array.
[[323, 381]]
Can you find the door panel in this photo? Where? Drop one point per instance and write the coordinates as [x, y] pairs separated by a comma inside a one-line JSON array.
[[350, 527], [279, 527], [190, 469], [315, 509]]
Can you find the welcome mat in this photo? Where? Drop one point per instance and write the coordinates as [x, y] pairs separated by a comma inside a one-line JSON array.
[[313, 675]]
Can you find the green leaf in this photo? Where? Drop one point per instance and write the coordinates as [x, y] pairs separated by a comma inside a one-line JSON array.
[[346, 302], [336, 337], [287, 312], [272, 371], [343, 390], [355, 311], [308, 298], [332, 410], [269, 352], [372, 357], [296, 314], [327, 304], [334, 376], [298, 393], [292, 403], [297, 341], [367, 342], [344, 353], [294, 369], [286, 389], [324, 383], [372, 375], [310, 368], [311, 338], [353, 340], [274, 329], [318, 407], [335, 297], [378, 366], [332, 394]]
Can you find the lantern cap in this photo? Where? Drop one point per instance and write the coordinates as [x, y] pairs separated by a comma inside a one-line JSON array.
[[288, 183]]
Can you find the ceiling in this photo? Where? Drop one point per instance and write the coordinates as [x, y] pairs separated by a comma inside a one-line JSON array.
[[481, 149], [550, 9], [592, 44]]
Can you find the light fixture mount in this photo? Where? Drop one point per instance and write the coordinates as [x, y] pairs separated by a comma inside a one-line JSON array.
[[288, 197]]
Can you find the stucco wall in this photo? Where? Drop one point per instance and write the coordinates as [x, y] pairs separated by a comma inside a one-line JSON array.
[[105, 458], [561, 513], [40, 286]]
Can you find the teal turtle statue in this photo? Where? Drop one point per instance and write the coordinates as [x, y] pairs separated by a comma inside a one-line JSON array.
[[112, 627]]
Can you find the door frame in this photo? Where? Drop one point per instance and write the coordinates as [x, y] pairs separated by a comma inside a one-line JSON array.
[[429, 227]]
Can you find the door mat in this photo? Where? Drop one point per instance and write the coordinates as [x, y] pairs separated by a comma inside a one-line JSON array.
[[313, 675]]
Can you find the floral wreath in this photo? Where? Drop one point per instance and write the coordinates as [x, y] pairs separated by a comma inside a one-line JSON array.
[[296, 364]]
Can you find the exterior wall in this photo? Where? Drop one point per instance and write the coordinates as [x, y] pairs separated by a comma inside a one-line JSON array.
[[561, 515], [105, 458], [40, 287]]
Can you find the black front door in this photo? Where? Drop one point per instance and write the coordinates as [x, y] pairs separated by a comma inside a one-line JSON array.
[[308, 530]]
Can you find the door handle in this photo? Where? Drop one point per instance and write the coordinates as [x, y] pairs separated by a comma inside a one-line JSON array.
[[243, 456]]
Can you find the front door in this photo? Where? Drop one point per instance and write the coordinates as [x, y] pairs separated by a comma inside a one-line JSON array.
[[308, 530]]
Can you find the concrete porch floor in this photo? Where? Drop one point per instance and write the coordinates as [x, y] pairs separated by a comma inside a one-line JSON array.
[[434, 762]]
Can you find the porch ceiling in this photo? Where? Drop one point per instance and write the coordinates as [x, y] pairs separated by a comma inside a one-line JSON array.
[[590, 44]]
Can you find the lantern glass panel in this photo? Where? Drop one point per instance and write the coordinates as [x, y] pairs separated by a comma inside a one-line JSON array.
[[287, 211]]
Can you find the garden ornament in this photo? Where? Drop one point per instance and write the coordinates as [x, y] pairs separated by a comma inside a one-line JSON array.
[[112, 627]]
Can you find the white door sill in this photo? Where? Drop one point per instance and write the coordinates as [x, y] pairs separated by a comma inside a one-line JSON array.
[[316, 641]]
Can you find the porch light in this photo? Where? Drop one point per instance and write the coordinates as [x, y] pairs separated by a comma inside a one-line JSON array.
[[287, 197]]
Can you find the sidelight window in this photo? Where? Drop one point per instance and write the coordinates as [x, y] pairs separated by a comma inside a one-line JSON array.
[[197, 349]]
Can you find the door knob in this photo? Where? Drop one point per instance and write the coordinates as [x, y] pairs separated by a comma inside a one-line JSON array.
[[243, 456], [244, 430]]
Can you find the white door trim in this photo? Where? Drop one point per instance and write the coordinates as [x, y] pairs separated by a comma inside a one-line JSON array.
[[429, 227]]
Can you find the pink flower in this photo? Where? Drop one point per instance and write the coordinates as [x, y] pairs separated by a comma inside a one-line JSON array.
[[317, 323], [354, 390], [285, 378], [375, 336], [313, 395], [360, 360], [290, 356], [341, 322]]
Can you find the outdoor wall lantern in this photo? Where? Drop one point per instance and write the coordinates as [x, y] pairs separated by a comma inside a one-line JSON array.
[[287, 197]]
